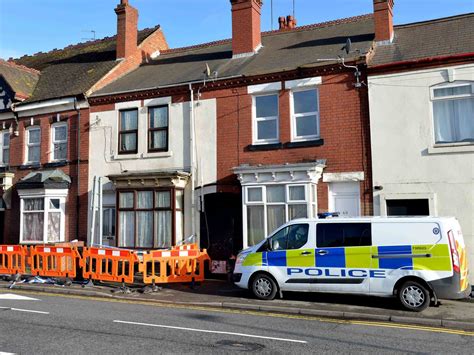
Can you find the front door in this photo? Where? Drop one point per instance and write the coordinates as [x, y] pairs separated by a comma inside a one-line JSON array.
[[344, 197]]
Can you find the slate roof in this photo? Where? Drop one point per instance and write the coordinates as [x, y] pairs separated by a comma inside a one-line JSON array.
[[75, 69], [51, 179], [434, 38], [282, 51], [21, 79]]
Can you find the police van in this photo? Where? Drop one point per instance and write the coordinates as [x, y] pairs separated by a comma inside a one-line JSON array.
[[417, 259]]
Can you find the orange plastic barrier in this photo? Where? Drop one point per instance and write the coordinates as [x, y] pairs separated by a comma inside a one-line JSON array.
[[166, 266], [186, 247], [53, 261], [108, 264], [12, 259]]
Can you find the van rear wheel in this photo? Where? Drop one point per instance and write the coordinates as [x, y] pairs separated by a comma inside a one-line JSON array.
[[414, 296], [263, 287]]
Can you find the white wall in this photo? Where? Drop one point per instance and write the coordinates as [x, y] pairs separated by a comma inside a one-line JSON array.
[[406, 162], [104, 159]]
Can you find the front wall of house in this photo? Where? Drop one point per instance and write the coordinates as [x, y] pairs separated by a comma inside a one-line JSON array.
[[407, 164], [19, 167], [105, 159]]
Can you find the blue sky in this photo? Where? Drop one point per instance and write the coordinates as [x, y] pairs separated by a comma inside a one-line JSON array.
[[30, 26]]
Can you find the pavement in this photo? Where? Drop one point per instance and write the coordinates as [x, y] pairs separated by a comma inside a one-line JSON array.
[[40, 323], [223, 295]]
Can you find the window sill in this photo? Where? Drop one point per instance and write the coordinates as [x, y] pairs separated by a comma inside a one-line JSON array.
[[29, 166], [263, 147], [143, 156], [304, 144], [463, 147], [55, 164]]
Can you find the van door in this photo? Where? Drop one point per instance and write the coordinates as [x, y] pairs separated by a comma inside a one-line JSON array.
[[291, 252], [343, 257]]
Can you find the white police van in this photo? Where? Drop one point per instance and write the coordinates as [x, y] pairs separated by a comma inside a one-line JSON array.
[[417, 259]]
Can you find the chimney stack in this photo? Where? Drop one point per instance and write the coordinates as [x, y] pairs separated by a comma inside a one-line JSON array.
[[383, 18], [246, 27], [287, 23], [127, 29]]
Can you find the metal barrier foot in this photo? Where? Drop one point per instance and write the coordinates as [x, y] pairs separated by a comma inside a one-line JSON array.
[[151, 289], [88, 284]]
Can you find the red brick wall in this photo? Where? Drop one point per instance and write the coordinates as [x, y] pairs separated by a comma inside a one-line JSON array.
[[383, 17], [246, 25], [344, 125], [127, 22], [17, 158]]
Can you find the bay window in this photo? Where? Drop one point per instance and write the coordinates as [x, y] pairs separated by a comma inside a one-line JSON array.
[[5, 148], [128, 131], [265, 119], [42, 218], [146, 218], [59, 141], [305, 114], [268, 207], [33, 144], [453, 112]]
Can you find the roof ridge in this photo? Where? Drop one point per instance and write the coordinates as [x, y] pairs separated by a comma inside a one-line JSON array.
[[267, 33], [19, 66], [84, 44], [435, 20]]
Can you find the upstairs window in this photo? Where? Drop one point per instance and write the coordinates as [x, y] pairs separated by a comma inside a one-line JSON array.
[[59, 141], [305, 115], [265, 125], [158, 129], [453, 113], [33, 144], [128, 131], [5, 148]]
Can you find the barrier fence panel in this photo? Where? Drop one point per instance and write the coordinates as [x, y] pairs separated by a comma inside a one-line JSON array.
[[13, 259], [173, 266], [53, 261], [108, 265]]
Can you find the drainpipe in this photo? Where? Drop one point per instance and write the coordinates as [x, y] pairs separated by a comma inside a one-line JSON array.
[[78, 153], [193, 170]]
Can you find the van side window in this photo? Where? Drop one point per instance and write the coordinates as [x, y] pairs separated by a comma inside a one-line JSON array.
[[291, 237], [329, 235]]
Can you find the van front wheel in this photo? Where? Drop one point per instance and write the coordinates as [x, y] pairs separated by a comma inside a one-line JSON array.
[[414, 296], [263, 287]]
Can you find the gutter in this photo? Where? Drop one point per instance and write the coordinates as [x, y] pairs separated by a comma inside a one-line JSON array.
[[47, 103], [78, 153], [421, 61]]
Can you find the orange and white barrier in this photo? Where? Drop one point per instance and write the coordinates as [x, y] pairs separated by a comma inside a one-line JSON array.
[[12, 259], [53, 261], [108, 265], [167, 266]]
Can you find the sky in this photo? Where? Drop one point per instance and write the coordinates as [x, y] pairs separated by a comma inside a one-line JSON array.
[[31, 26]]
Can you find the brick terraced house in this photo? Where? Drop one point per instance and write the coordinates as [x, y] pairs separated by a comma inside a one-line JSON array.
[[230, 139], [45, 129]]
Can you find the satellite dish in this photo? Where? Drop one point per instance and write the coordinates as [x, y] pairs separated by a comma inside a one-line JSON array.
[[348, 46], [207, 71]]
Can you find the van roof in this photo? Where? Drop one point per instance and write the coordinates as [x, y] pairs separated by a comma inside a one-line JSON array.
[[396, 219]]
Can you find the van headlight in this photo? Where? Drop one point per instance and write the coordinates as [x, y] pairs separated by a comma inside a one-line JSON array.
[[240, 258]]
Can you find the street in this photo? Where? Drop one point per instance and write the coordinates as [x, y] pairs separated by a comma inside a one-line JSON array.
[[39, 323]]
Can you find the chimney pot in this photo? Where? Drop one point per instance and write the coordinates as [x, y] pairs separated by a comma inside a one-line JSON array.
[[127, 29], [246, 26], [383, 20], [282, 22], [290, 22]]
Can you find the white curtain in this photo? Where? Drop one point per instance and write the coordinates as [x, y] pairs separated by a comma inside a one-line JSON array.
[[158, 139], [129, 120], [255, 224], [159, 117], [129, 141], [126, 200], [127, 229], [145, 229], [297, 211], [33, 226], [163, 224], [454, 120], [145, 199], [275, 217], [163, 199], [54, 226]]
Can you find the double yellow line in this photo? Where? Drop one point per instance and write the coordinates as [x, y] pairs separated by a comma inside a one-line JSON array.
[[256, 313]]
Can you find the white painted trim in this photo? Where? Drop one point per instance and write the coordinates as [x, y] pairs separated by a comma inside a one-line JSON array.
[[51, 146], [159, 101], [344, 177], [255, 121], [294, 116], [49, 104], [299, 83], [27, 143], [128, 105], [260, 88]]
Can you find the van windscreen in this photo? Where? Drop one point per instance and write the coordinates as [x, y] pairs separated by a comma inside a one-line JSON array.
[[330, 235]]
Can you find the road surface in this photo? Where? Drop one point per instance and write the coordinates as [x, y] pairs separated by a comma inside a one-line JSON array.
[[47, 324]]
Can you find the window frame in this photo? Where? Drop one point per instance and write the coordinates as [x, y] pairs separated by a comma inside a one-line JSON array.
[[343, 239], [433, 99], [294, 116], [28, 145], [256, 120], [172, 208], [157, 129], [54, 141], [4, 147], [112, 222], [130, 131]]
